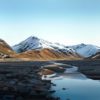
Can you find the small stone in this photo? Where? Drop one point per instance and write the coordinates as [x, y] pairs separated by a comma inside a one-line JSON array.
[[52, 91], [58, 98], [5, 89], [12, 82], [19, 98], [64, 88], [53, 84], [8, 97]]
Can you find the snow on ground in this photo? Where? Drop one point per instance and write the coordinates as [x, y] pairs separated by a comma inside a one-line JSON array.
[[34, 43]]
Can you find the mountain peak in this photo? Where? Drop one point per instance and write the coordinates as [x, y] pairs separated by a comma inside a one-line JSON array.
[[34, 43], [86, 50], [32, 37], [82, 44]]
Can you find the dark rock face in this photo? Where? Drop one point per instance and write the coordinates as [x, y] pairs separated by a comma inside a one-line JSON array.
[[3, 56], [19, 81]]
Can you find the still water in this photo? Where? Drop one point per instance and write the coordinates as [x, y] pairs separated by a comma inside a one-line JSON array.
[[75, 86]]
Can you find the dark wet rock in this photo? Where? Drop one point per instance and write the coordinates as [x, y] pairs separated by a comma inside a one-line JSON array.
[[13, 82], [53, 84], [52, 91], [58, 98], [19, 98], [19, 82], [63, 88], [8, 97]]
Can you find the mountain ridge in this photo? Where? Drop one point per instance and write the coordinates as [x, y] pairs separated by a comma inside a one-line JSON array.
[[34, 48], [34, 43], [47, 54]]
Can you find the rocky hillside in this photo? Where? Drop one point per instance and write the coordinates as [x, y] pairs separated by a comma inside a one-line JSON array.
[[86, 50], [5, 50], [34, 48], [34, 43], [96, 56], [39, 49], [47, 54]]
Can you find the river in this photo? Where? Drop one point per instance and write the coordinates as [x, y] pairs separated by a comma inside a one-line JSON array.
[[73, 85]]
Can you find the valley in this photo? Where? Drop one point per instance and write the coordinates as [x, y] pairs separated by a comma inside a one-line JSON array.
[[22, 67], [35, 49], [20, 79], [49, 50]]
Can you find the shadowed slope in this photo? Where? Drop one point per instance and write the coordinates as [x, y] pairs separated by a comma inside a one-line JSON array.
[[5, 49]]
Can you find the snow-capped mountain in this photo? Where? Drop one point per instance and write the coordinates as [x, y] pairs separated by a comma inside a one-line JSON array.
[[86, 50], [34, 43]]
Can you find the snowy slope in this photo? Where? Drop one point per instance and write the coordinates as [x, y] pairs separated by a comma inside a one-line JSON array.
[[86, 50], [34, 43]]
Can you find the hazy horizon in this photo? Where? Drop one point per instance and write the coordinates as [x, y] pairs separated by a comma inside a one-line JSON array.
[[68, 22]]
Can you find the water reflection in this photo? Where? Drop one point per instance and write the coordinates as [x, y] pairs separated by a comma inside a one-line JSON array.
[[75, 86]]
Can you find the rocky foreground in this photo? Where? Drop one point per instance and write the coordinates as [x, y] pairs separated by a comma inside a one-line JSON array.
[[20, 81]]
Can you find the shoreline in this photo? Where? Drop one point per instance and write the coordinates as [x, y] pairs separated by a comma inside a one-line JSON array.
[[90, 68], [20, 79]]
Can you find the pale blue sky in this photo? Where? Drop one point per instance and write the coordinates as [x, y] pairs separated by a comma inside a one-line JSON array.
[[66, 21]]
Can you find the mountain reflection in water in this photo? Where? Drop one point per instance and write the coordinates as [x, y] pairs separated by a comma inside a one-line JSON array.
[[75, 86]]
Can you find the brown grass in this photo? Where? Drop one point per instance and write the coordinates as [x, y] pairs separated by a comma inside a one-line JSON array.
[[46, 54], [5, 48]]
